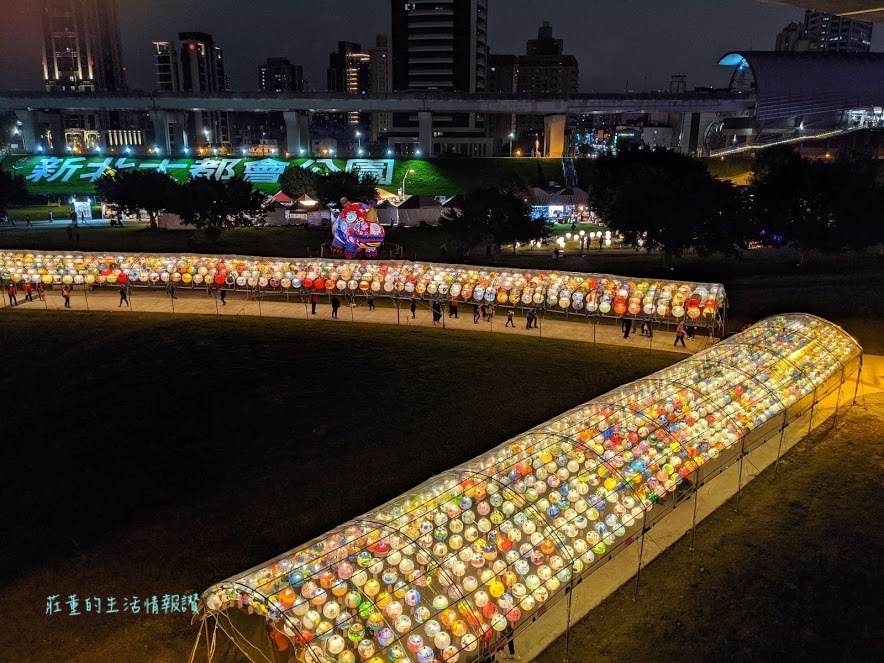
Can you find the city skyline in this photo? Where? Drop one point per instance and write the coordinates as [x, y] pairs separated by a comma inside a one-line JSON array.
[[609, 42]]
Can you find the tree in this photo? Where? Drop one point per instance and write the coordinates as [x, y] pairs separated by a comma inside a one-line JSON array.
[[132, 190], [500, 215], [665, 201], [807, 203], [296, 181], [13, 190], [214, 205], [354, 186]]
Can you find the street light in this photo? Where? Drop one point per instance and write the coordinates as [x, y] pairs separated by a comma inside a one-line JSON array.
[[186, 150], [244, 151], [157, 150], [301, 151], [410, 171], [361, 151], [417, 152], [511, 144], [389, 151], [359, 139]]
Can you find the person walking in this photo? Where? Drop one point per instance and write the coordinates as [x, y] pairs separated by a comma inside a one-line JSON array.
[[475, 314], [489, 311], [509, 319], [626, 326], [484, 311], [413, 308], [452, 309], [27, 289], [41, 291], [690, 330], [51, 217], [437, 312], [314, 300], [27, 220], [679, 335], [335, 304], [66, 293], [170, 290], [124, 296], [70, 232], [370, 299], [10, 292], [223, 296], [529, 318], [647, 328]]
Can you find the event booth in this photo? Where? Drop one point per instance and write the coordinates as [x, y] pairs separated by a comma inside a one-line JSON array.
[[454, 568], [569, 293]]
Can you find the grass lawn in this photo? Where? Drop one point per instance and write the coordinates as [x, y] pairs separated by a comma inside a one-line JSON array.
[[159, 455], [41, 213], [794, 576]]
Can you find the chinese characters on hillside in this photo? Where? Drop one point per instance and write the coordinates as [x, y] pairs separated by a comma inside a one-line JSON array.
[[268, 171]]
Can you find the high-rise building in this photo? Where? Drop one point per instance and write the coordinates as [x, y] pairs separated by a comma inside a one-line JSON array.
[[379, 60], [544, 69], [280, 75], [82, 52], [82, 49], [195, 64], [349, 71], [826, 32], [503, 78], [792, 39], [439, 45]]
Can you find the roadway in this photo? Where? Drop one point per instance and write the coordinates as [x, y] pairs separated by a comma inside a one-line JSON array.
[[431, 101]]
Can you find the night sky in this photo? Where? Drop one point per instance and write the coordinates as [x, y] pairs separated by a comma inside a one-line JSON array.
[[641, 42]]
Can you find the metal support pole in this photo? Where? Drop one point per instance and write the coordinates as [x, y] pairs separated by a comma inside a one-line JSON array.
[[396, 301], [858, 375], [641, 554], [838, 399], [85, 294], [258, 298], [696, 508], [568, 623], [740, 477], [780, 446]]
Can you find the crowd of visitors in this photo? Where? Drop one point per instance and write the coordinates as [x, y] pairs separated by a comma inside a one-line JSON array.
[[482, 311]]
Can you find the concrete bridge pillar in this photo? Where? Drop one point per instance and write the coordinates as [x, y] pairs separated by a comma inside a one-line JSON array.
[[425, 132], [28, 130], [554, 136], [297, 132], [58, 142], [162, 125]]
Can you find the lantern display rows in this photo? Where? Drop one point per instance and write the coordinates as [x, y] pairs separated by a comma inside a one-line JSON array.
[[601, 294], [451, 568]]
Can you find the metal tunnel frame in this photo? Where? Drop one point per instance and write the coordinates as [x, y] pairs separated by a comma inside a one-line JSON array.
[[455, 568]]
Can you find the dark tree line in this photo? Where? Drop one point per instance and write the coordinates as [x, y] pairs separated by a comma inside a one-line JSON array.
[[492, 215], [668, 202], [202, 202]]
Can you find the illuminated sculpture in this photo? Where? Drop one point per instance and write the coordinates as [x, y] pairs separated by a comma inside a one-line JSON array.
[[357, 229]]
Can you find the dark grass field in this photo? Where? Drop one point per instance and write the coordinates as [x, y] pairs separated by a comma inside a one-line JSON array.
[[794, 576], [153, 456]]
